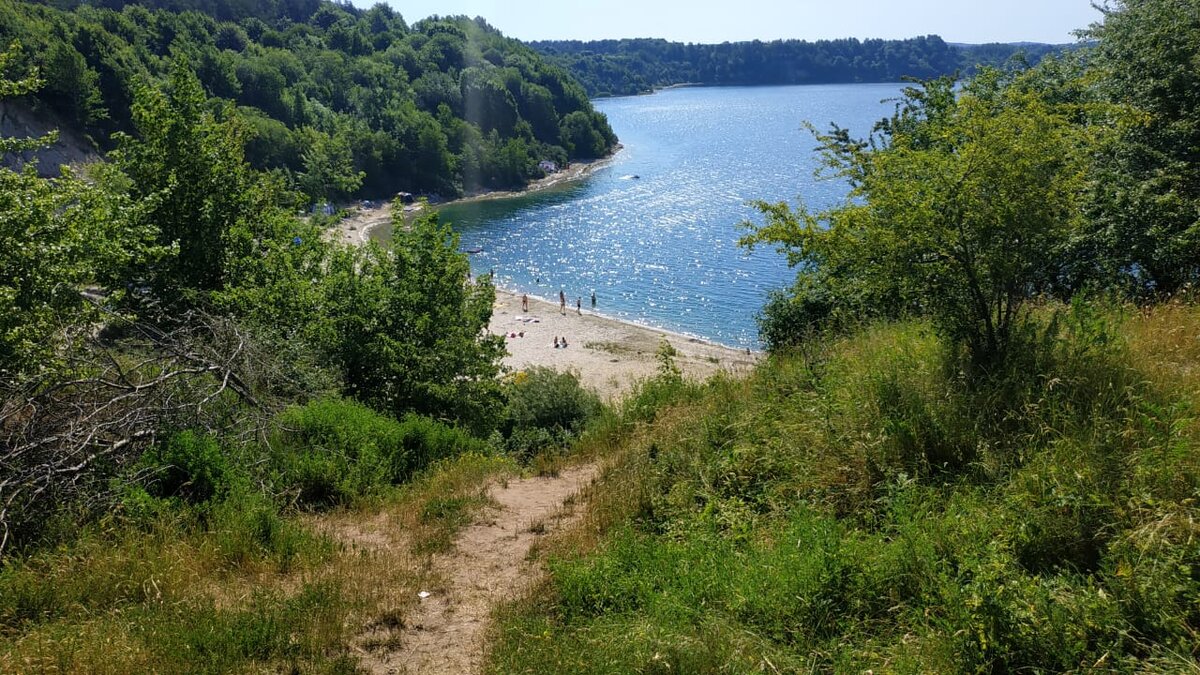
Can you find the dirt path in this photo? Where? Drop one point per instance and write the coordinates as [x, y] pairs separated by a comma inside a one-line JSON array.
[[488, 564]]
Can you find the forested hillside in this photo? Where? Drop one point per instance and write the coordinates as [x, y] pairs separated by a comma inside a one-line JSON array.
[[221, 10], [343, 102], [626, 67]]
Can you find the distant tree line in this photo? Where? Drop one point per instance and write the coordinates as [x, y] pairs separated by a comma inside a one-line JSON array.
[[342, 102], [627, 67]]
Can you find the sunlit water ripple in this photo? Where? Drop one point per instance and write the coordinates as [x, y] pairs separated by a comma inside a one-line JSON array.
[[661, 249]]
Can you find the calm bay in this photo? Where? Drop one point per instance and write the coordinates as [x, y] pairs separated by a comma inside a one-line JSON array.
[[654, 233]]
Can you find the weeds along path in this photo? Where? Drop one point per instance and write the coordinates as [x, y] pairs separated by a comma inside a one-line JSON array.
[[488, 564]]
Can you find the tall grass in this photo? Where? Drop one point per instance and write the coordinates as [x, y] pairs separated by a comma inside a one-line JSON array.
[[218, 561], [873, 504]]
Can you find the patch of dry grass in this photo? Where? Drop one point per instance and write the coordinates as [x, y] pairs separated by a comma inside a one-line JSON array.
[[173, 596]]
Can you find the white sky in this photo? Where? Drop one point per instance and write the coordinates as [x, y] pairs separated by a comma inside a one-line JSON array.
[[736, 20]]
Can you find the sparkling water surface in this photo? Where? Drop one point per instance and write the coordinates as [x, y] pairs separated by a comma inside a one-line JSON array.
[[661, 249]]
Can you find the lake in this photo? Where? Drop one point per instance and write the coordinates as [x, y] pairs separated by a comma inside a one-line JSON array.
[[660, 249]]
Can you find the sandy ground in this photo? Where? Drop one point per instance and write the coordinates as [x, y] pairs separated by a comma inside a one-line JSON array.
[[609, 355], [490, 563], [356, 228]]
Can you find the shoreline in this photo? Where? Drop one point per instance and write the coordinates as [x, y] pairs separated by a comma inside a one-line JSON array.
[[587, 311], [356, 229], [609, 355]]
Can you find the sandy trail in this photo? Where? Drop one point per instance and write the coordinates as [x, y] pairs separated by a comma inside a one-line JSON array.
[[488, 565]]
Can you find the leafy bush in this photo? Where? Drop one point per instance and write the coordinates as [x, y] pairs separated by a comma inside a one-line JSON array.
[[333, 450], [546, 407], [787, 320], [548, 399], [191, 467]]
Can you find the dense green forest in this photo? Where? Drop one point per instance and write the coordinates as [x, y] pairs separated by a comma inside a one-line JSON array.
[[972, 445], [342, 102], [221, 10], [636, 66]]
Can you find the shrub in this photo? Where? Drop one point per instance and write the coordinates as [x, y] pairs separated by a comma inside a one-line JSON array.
[[425, 441], [546, 407], [788, 320], [248, 526], [189, 466], [332, 450]]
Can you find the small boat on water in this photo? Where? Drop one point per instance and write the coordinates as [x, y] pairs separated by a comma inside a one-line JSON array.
[[473, 250]]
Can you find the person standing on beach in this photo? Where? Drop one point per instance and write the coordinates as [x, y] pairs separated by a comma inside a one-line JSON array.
[[524, 302], [579, 305], [562, 302], [593, 299]]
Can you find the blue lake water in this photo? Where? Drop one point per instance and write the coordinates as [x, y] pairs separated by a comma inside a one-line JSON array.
[[661, 249]]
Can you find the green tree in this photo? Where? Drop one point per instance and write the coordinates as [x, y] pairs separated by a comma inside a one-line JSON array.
[[328, 166], [960, 211], [1146, 206], [28, 83], [187, 167], [409, 327], [72, 85], [42, 267], [587, 135], [55, 237]]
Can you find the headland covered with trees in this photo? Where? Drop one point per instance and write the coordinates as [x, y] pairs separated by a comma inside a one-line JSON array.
[[638, 66], [228, 444], [342, 102]]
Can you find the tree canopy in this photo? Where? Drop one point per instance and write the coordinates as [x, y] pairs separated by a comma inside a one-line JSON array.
[[1076, 175], [961, 209], [1146, 208], [410, 329], [342, 102]]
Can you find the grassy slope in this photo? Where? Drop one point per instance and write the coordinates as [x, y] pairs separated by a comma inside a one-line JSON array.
[[235, 589], [860, 507], [852, 507]]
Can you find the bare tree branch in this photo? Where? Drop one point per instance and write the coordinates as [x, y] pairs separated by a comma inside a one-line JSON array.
[[66, 432]]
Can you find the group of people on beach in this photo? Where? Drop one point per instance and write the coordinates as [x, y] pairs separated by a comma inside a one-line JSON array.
[[562, 302], [560, 343]]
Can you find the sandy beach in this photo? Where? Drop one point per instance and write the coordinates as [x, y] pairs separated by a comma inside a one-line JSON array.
[[356, 228], [608, 354]]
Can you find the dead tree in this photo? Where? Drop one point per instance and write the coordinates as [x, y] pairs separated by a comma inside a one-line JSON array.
[[65, 433]]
